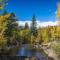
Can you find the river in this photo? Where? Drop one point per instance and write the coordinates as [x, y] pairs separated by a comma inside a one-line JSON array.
[[25, 51]]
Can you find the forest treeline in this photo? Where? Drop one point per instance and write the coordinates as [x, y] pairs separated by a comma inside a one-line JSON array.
[[9, 31], [11, 34]]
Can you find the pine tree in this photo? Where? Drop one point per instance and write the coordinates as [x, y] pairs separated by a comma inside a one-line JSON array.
[[34, 26], [5, 12], [11, 30], [26, 26]]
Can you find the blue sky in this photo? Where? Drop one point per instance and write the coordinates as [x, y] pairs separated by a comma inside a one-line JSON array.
[[24, 9]]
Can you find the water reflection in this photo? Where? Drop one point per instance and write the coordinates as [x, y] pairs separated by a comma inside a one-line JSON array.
[[25, 51]]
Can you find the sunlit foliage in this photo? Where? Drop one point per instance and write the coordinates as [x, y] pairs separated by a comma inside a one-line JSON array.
[[25, 36], [3, 3]]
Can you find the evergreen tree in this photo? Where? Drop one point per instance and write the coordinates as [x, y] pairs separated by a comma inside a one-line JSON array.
[[11, 30], [5, 12], [26, 26], [34, 26]]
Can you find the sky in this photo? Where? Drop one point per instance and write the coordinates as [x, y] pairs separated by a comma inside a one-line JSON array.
[[44, 10]]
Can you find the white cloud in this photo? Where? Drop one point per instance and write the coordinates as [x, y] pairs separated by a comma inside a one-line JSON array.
[[39, 24], [48, 23], [23, 23]]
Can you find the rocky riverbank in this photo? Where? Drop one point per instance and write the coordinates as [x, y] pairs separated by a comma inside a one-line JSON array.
[[49, 51]]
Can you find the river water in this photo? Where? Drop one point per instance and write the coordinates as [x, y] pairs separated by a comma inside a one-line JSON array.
[[25, 51]]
